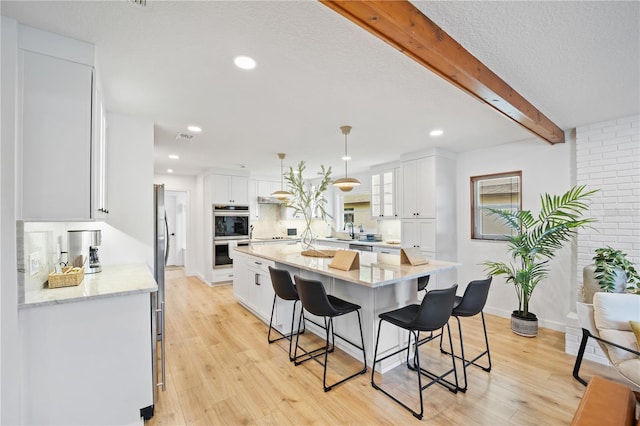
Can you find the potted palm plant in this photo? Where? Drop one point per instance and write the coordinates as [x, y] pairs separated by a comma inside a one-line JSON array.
[[534, 243], [610, 272], [307, 199]]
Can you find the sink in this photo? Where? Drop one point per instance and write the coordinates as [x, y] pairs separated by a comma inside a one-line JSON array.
[[344, 239]]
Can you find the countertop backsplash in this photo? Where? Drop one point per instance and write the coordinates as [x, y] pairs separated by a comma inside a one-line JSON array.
[[38, 244]]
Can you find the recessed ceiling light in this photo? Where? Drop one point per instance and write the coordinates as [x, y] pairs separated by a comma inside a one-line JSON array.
[[436, 132], [346, 158], [244, 62], [195, 129], [173, 157], [169, 170]]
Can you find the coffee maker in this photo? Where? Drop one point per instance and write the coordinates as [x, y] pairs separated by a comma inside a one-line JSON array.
[[83, 249]]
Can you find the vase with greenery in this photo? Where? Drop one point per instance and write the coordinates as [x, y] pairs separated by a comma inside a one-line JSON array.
[[308, 199], [534, 243], [613, 272]]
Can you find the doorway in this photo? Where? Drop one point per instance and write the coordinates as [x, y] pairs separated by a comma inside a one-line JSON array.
[[175, 203]]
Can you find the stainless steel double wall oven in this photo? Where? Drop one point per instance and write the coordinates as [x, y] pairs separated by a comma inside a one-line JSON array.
[[230, 229]]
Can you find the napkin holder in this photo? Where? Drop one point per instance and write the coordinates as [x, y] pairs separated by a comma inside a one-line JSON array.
[[412, 256], [345, 260]]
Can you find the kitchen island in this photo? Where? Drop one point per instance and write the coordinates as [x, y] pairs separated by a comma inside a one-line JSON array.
[[381, 284], [86, 350]]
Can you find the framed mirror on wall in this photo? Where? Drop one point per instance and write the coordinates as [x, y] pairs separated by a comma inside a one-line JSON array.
[[498, 191]]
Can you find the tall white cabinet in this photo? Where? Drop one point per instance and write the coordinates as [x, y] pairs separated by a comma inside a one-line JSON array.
[[62, 142], [428, 208], [220, 187]]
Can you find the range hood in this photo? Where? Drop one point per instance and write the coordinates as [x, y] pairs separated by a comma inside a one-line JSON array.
[[269, 200]]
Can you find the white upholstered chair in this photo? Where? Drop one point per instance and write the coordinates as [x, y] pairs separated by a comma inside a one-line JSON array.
[[607, 321]]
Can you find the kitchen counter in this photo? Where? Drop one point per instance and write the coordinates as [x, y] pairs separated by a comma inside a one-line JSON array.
[[113, 281], [91, 362], [376, 269]]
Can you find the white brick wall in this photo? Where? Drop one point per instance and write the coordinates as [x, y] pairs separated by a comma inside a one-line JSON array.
[[607, 158], [573, 337]]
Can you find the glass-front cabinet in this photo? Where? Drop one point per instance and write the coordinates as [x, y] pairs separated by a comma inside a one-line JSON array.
[[383, 194]]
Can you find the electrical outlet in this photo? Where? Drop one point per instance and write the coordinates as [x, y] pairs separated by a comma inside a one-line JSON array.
[[34, 263]]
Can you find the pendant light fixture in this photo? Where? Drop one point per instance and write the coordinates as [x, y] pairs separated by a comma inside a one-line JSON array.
[[346, 183], [282, 194]]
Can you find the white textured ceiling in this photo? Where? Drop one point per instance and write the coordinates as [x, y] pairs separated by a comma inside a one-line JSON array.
[[578, 62]]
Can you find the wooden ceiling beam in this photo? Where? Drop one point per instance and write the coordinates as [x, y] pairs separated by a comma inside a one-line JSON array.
[[403, 26]]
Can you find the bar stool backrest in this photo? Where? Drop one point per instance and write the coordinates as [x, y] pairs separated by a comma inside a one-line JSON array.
[[474, 298], [435, 309], [314, 297], [282, 284], [422, 282]]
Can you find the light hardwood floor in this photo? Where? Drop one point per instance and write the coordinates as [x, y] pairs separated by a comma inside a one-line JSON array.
[[221, 370]]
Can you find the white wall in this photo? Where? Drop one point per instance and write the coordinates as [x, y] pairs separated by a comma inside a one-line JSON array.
[[188, 184], [9, 343], [545, 168], [130, 235]]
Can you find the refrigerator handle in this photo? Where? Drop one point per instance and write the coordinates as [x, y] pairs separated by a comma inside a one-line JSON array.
[[162, 354], [167, 238], [162, 349]]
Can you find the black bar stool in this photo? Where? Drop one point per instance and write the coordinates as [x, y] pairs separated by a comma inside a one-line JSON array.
[[284, 289], [316, 301], [422, 282], [471, 304], [432, 314]]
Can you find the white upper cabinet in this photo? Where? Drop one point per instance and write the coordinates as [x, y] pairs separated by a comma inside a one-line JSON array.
[[418, 188], [230, 189], [419, 233], [56, 115], [383, 194], [266, 188]]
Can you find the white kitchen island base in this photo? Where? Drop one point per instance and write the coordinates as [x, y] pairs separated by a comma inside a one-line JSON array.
[[376, 287]]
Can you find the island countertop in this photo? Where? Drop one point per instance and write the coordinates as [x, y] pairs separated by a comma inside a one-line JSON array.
[[113, 281], [376, 269]]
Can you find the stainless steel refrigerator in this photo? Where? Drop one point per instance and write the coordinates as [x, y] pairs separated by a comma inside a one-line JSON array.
[[158, 313]]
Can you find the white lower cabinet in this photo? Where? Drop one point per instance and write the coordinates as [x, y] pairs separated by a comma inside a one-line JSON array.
[[260, 288], [386, 250], [252, 284], [221, 275], [241, 277], [87, 362]]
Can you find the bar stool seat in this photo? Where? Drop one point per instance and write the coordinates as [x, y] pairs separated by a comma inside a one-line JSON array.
[[315, 300], [432, 314]]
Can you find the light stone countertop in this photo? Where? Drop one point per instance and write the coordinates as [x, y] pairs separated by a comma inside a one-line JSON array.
[[376, 269], [113, 281]]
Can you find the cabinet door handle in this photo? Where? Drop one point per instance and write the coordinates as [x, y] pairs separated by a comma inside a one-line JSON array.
[[256, 280], [257, 263]]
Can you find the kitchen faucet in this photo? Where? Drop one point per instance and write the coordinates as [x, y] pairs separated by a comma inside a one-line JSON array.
[[351, 233]]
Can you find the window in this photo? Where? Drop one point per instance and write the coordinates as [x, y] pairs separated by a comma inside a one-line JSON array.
[[497, 191]]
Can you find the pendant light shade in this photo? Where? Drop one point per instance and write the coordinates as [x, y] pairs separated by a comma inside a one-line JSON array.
[[346, 183], [281, 195]]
